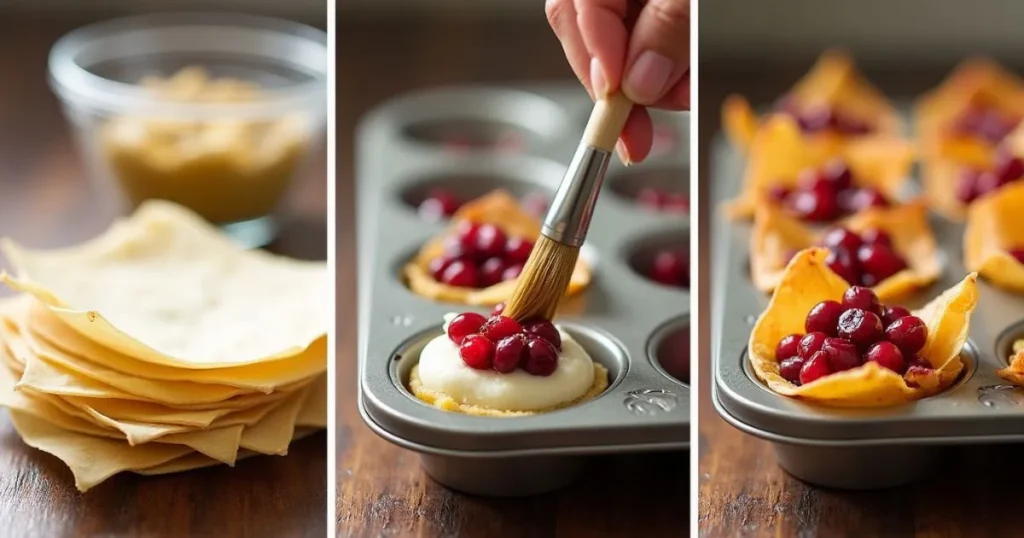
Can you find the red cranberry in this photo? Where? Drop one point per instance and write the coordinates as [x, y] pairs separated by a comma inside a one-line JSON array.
[[816, 367], [843, 264], [787, 347], [544, 329], [437, 266], [967, 185], [862, 298], [842, 238], [542, 357], [909, 333], [509, 353], [810, 344], [879, 261], [461, 274], [498, 309], [1018, 254], [851, 126], [838, 174], [995, 126], [438, 205], [860, 327], [816, 118], [875, 235], [819, 204], [810, 178], [823, 318], [668, 268], [863, 198], [650, 198], [512, 272], [988, 181], [676, 203], [778, 193], [887, 355], [477, 352], [490, 240], [1009, 167], [517, 250], [499, 327], [491, 271], [893, 313], [842, 354], [789, 369], [464, 325], [920, 363]]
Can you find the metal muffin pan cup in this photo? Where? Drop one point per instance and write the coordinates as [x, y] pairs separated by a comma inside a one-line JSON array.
[[858, 448], [615, 319]]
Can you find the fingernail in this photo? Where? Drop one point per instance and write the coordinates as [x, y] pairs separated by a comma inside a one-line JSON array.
[[647, 80], [620, 149], [597, 80]]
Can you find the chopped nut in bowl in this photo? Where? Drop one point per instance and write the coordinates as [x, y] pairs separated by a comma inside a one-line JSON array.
[[215, 113]]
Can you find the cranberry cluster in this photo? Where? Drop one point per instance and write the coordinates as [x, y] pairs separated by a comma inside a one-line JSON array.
[[975, 183], [659, 200], [671, 268], [985, 122], [480, 255], [440, 204], [1017, 253], [827, 194], [502, 344], [818, 118], [865, 259], [841, 336]]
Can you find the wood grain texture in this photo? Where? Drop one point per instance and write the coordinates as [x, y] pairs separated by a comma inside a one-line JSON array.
[[45, 200], [382, 491], [743, 492]]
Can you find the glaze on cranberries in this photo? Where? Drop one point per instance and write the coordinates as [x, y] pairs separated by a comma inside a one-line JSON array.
[[503, 345], [817, 118], [825, 195], [482, 256], [864, 330], [862, 259]]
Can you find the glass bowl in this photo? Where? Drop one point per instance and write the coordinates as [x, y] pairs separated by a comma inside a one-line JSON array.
[[215, 112]]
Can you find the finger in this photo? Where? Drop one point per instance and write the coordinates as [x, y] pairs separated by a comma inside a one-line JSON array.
[[659, 50], [562, 18], [602, 27], [678, 96], [637, 137]]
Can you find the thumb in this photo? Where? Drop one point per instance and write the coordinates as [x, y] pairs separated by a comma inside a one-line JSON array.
[[659, 50]]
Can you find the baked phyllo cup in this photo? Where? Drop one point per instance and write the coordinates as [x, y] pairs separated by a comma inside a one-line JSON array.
[[966, 116], [994, 238], [833, 100], [903, 230], [430, 273], [806, 282], [781, 154], [1014, 373]]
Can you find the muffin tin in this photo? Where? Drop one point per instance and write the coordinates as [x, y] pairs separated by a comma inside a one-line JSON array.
[[621, 319], [858, 448]]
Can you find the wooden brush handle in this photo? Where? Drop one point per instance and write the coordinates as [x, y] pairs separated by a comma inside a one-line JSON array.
[[607, 120]]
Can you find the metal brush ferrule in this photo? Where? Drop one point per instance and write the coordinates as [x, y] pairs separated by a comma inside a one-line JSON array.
[[569, 217]]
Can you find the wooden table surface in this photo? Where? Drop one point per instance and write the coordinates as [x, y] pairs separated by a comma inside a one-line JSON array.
[[743, 492], [45, 200], [382, 490]]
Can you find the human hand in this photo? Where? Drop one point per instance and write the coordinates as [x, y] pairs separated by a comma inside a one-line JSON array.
[[642, 46]]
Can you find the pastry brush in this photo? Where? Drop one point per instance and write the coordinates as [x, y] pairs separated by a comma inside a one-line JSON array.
[[546, 274]]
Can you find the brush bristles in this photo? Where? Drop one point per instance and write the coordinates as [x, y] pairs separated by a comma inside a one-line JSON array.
[[544, 280]]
